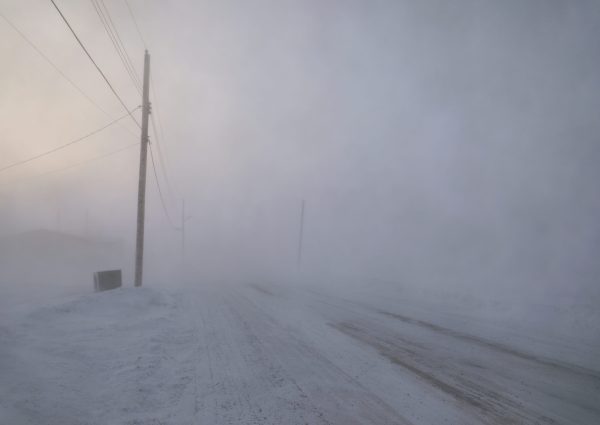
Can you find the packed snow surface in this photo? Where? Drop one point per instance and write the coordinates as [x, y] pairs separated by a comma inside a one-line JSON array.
[[267, 354]]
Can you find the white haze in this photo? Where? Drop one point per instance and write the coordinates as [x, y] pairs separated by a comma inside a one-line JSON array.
[[439, 145], [447, 157]]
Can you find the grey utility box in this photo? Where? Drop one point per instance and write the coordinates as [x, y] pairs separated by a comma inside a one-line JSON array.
[[108, 279]]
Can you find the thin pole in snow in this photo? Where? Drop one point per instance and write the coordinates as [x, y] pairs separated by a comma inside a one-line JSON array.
[[301, 235]]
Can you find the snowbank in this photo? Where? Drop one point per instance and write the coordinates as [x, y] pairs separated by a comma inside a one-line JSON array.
[[107, 358]]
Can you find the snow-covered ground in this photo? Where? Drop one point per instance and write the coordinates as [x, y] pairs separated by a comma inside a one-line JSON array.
[[271, 354]]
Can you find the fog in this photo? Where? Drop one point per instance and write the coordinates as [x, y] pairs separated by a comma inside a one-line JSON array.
[[391, 212], [436, 144]]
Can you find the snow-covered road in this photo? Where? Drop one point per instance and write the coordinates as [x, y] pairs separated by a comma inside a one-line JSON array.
[[267, 354]]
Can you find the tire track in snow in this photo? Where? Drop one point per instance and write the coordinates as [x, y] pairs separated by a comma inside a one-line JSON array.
[[503, 348], [494, 406], [515, 389], [277, 375], [343, 398], [238, 380]]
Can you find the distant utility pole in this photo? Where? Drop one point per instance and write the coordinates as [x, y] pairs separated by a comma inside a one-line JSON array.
[[86, 231], [184, 218], [141, 206], [301, 235]]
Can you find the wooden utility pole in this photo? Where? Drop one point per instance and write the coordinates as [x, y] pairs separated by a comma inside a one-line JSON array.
[[183, 220], [141, 206], [183, 230], [301, 235], [87, 223]]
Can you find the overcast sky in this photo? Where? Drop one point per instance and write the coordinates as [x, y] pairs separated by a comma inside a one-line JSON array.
[[432, 141]]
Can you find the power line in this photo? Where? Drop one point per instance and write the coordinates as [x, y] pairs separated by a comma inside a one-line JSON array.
[[162, 200], [113, 35], [135, 23], [94, 62], [120, 40], [77, 164], [95, 158], [14, 164], [159, 138], [157, 135], [162, 133], [125, 52], [47, 59], [57, 69], [162, 159]]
